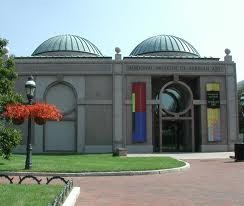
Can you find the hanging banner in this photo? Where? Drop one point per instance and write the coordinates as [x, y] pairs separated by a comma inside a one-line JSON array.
[[213, 112], [139, 112], [213, 100]]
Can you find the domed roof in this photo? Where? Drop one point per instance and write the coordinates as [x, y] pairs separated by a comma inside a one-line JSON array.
[[165, 45], [67, 45]]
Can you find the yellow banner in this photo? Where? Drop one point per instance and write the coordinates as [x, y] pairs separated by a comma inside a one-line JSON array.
[[213, 116], [133, 102], [213, 87]]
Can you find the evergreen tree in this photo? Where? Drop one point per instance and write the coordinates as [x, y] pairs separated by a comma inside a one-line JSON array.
[[9, 136], [240, 92]]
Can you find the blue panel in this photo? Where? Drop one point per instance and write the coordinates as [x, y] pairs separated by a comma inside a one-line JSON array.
[[140, 130]]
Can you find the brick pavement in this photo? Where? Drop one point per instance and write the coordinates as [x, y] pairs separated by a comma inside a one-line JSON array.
[[212, 182]]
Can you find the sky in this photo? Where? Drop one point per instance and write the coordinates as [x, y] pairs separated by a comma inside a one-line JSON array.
[[210, 26]]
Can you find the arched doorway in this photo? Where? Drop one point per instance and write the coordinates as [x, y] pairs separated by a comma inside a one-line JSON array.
[[173, 119], [61, 136]]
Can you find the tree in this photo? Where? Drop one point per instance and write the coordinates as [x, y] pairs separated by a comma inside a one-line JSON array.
[[9, 136], [240, 91]]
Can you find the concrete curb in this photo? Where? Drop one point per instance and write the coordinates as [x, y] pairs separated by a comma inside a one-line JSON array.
[[73, 195], [82, 174]]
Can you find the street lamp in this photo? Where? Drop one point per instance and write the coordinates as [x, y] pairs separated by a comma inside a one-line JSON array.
[[30, 87]]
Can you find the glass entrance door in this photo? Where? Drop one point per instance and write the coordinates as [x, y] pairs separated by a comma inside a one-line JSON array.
[[175, 135], [173, 117], [171, 138]]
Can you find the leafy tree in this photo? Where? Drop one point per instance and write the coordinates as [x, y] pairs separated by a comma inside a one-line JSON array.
[[240, 91], [9, 136]]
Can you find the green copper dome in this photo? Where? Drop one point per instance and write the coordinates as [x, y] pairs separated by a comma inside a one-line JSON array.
[[165, 45], [67, 45]]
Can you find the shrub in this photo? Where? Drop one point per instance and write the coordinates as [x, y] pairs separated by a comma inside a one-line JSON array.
[[9, 139]]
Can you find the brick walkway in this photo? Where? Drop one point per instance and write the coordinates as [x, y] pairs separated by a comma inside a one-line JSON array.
[[212, 182]]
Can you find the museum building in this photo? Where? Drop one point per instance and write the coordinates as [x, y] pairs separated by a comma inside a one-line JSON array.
[[163, 97]]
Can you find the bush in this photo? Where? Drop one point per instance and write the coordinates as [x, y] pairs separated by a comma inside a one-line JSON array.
[[9, 139]]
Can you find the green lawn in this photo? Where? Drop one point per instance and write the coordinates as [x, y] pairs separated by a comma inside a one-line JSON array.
[[28, 195], [88, 163]]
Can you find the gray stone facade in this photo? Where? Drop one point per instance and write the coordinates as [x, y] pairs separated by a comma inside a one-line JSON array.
[[95, 96]]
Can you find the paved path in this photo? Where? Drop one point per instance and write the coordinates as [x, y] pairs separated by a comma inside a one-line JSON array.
[[186, 156], [211, 182]]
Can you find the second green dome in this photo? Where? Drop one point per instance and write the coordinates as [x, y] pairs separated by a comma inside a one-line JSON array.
[[165, 45]]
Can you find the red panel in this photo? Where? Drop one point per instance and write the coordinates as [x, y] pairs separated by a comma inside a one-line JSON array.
[[139, 88]]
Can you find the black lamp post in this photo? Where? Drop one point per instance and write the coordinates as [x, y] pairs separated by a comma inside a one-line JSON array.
[[30, 87]]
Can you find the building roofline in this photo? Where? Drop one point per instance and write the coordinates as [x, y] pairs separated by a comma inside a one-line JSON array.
[[171, 57], [63, 57]]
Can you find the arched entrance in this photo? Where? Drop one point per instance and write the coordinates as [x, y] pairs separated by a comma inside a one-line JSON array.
[[174, 118], [61, 136]]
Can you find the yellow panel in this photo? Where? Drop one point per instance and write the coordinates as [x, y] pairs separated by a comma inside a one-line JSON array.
[[213, 87], [214, 125], [213, 115], [133, 102]]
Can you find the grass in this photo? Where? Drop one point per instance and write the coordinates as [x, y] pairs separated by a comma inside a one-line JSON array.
[[28, 195], [88, 163]]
